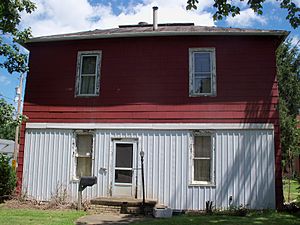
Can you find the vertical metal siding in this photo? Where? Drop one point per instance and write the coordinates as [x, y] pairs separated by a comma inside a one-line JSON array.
[[244, 167], [46, 169]]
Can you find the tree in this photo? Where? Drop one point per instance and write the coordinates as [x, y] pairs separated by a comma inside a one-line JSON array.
[[7, 178], [14, 59], [225, 8], [288, 71], [8, 121]]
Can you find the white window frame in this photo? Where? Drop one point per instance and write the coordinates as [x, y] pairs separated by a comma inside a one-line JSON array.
[[75, 154], [80, 56], [194, 182], [213, 84]]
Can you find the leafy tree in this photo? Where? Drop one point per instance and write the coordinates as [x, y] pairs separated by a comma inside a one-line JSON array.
[[288, 71], [225, 8], [15, 60], [12, 58], [7, 177], [8, 122]]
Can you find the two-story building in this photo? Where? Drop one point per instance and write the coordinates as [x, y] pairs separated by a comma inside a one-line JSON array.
[[201, 103]]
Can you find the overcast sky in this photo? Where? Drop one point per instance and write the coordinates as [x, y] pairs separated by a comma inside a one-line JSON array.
[[65, 16]]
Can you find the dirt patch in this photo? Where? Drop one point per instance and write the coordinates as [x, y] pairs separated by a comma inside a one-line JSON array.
[[33, 204]]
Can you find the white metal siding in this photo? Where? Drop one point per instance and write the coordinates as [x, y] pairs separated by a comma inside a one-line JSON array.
[[47, 162], [244, 166]]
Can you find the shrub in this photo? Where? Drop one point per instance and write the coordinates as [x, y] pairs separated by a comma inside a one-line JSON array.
[[8, 178], [241, 210]]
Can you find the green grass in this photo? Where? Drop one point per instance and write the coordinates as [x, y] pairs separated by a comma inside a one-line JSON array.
[[67, 217], [38, 217], [294, 191], [253, 218]]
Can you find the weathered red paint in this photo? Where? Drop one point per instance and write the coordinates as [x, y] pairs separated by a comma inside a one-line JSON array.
[[147, 80]]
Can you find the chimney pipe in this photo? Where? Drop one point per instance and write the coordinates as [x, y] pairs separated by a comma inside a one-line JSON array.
[[155, 8]]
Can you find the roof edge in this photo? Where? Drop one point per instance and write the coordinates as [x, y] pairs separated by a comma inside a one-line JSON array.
[[281, 33]]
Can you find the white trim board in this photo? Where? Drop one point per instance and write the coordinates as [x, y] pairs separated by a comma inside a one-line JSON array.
[[153, 126]]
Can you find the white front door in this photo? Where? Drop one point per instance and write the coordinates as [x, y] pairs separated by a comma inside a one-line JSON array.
[[124, 164]]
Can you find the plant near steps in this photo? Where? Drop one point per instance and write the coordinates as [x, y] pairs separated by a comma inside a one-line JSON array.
[[59, 198], [8, 178], [209, 207]]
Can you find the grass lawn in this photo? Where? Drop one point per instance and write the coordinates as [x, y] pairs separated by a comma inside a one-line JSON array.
[[294, 191], [10, 216], [253, 218], [38, 217]]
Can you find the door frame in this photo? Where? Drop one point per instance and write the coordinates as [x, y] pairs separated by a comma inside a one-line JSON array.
[[135, 163]]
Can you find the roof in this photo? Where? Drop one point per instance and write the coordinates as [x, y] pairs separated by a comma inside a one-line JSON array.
[[6, 146], [144, 29]]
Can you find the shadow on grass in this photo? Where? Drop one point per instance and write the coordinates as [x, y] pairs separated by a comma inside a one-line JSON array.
[[108, 219], [253, 218]]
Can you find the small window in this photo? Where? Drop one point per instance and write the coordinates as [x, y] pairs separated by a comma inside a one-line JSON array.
[[88, 73], [83, 155], [202, 160], [202, 72]]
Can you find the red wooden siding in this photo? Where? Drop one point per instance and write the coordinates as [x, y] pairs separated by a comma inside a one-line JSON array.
[[147, 80], [144, 72]]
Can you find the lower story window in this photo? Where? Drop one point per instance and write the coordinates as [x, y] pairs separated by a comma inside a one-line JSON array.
[[83, 155], [202, 159]]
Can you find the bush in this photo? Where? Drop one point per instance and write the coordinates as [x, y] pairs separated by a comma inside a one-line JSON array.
[[241, 210], [8, 178]]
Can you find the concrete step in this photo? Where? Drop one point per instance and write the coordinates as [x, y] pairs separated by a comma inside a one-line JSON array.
[[121, 205]]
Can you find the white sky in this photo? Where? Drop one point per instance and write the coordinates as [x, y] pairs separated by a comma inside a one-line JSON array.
[[65, 16]]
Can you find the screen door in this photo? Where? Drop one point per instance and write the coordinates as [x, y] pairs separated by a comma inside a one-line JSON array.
[[123, 172]]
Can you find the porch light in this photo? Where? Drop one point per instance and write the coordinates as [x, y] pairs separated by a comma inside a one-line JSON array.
[[142, 153]]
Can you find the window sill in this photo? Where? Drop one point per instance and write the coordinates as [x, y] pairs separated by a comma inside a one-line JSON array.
[[86, 96], [208, 184], [123, 184], [202, 95], [75, 180]]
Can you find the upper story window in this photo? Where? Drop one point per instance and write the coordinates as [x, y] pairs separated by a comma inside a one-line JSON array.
[[202, 66], [88, 73]]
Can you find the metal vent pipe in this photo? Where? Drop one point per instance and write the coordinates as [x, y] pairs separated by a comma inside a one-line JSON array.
[[155, 8]]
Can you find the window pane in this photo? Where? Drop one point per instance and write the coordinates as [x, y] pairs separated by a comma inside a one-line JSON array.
[[123, 176], [124, 155], [87, 85], [84, 167], [84, 144], [202, 85], [202, 146], [202, 61], [88, 65], [202, 169]]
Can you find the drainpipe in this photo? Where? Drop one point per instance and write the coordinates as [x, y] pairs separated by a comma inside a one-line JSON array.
[[155, 8]]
